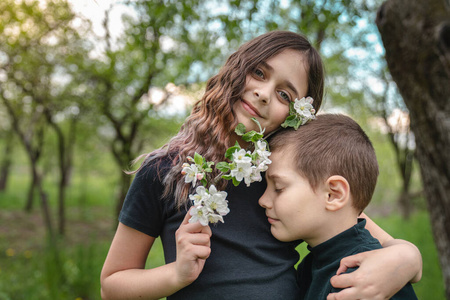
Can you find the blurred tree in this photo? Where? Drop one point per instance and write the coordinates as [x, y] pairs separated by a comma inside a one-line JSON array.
[[27, 121], [416, 36], [160, 44], [390, 107], [41, 46], [6, 161]]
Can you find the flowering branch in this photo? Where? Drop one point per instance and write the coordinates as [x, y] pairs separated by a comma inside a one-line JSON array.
[[209, 204], [300, 112]]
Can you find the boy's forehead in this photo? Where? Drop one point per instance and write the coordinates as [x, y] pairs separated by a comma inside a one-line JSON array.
[[281, 160]]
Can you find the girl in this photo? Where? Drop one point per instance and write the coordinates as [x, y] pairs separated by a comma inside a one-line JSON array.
[[239, 258]]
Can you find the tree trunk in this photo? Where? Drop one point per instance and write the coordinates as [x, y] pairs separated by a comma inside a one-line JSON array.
[[30, 195], [124, 185], [416, 36], [6, 161]]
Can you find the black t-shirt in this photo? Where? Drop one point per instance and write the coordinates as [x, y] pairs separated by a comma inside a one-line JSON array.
[[246, 261], [317, 268]]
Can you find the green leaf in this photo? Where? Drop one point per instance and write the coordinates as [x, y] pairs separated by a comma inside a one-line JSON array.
[[231, 150], [291, 108], [257, 137], [198, 159], [249, 135], [235, 181], [223, 166], [240, 129], [227, 177]]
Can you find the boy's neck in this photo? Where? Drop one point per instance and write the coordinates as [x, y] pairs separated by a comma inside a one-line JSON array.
[[337, 222]]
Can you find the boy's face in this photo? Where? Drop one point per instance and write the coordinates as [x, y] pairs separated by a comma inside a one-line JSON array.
[[294, 210]]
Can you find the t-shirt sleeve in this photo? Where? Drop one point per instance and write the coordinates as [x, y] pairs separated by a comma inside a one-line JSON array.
[[143, 208]]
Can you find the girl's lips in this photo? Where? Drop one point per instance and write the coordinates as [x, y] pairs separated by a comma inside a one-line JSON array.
[[250, 109]]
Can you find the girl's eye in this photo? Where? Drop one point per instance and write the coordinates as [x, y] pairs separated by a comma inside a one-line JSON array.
[[259, 73], [284, 96]]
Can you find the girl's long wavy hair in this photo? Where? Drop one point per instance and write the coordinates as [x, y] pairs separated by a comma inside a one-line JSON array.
[[209, 128]]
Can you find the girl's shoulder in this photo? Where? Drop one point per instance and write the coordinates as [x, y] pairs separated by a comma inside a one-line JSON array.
[[155, 166]]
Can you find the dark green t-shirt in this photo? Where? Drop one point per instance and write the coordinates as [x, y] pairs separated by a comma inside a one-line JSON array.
[[246, 261], [317, 268]]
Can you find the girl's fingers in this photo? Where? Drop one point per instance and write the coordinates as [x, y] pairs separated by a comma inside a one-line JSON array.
[[193, 227], [342, 295], [198, 239], [201, 252], [342, 281], [350, 262]]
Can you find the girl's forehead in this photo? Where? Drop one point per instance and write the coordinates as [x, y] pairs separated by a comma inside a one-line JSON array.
[[290, 66]]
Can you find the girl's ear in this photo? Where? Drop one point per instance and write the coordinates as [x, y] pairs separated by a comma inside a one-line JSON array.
[[338, 192]]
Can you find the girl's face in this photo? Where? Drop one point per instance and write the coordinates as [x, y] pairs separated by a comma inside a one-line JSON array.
[[269, 90]]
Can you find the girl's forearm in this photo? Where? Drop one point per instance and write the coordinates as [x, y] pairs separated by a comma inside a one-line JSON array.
[[154, 283], [408, 254], [376, 231]]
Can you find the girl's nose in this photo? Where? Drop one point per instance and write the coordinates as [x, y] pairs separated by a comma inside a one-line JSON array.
[[262, 95]]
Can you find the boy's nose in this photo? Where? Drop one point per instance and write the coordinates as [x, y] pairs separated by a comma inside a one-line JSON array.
[[264, 201]]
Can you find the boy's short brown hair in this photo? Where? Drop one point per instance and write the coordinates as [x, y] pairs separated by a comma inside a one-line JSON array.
[[332, 144]]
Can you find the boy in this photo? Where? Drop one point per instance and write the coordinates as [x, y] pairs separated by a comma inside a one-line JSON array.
[[321, 178]]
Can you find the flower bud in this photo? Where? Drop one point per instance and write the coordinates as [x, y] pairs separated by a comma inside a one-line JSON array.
[[199, 176]]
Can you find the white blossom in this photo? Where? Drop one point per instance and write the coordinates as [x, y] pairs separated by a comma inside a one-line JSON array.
[[217, 201], [240, 156], [201, 196], [243, 169], [209, 206], [199, 214], [304, 109], [190, 173], [214, 218]]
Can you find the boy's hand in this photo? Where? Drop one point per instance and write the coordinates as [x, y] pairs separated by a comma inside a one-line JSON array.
[[193, 248]]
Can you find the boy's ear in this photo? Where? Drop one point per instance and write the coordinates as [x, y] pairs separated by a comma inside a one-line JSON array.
[[338, 190]]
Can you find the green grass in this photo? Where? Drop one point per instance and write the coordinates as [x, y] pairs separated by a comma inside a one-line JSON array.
[[32, 269], [417, 230]]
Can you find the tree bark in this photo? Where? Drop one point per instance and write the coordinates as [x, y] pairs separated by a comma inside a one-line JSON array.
[[5, 164], [416, 36]]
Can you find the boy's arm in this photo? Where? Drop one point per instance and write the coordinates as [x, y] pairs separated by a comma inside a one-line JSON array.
[[381, 272]]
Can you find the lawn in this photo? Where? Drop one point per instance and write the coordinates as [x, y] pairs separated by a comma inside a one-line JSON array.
[[32, 268]]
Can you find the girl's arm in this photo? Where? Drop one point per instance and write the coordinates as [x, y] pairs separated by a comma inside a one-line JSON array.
[[124, 277], [381, 273]]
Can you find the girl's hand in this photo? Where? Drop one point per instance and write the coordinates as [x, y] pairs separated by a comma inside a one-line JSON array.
[[193, 248], [381, 273]]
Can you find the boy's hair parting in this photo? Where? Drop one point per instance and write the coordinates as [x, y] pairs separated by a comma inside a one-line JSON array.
[[332, 144], [210, 126]]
